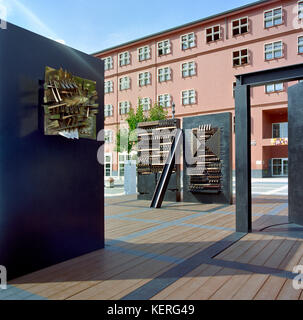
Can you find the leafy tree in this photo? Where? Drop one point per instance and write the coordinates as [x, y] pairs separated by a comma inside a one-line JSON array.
[[157, 112], [126, 140], [123, 143]]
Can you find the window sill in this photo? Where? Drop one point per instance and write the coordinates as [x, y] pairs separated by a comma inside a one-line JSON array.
[[144, 60], [164, 55], [274, 26], [189, 76], [189, 105], [273, 92], [242, 65], [165, 81], [268, 60], [189, 48], [241, 34], [213, 41]]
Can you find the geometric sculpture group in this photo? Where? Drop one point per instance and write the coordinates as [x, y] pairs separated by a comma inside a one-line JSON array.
[[207, 162]]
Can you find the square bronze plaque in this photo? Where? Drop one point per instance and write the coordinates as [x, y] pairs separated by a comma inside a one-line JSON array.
[[70, 105]]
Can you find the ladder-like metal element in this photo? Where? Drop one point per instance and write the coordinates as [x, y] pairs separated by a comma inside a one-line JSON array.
[[167, 171]]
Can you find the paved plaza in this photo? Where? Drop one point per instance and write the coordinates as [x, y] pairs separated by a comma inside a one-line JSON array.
[[266, 186], [181, 251]]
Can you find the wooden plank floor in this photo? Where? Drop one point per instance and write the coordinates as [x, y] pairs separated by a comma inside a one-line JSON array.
[[143, 243]]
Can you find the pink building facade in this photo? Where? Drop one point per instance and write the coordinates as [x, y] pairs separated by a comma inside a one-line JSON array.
[[194, 66]]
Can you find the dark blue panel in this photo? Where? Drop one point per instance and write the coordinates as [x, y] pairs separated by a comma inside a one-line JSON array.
[[51, 188], [295, 152]]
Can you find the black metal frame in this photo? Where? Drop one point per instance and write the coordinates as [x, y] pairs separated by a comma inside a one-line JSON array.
[[223, 121], [243, 132]]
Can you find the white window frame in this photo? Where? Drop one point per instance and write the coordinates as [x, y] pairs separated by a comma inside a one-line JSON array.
[[273, 18], [300, 45], [124, 58], [144, 79], [124, 83], [240, 57], [111, 164], [273, 50], [275, 87], [146, 103], [125, 107], [108, 136], [186, 41], [108, 86], [108, 110], [145, 55], [213, 33], [300, 10], [108, 63], [190, 67], [272, 166], [164, 74], [272, 131], [240, 26], [126, 157], [166, 101], [165, 46], [190, 95]]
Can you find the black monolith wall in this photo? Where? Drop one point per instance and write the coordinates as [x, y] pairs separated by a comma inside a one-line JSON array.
[[51, 188], [295, 153], [223, 121]]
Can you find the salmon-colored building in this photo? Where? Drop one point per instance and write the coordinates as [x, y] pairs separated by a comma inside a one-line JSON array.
[[194, 66]]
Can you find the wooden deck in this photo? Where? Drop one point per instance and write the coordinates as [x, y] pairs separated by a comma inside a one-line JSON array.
[[182, 251]]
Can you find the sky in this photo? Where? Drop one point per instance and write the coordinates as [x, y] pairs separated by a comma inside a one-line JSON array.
[[94, 25]]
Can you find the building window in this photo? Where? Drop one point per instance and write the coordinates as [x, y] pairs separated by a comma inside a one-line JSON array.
[[188, 97], [164, 100], [144, 53], [213, 33], [108, 136], [188, 41], [300, 9], [274, 87], [124, 83], [122, 158], [145, 103], [188, 69], [280, 130], [273, 17], [280, 167], [124, 58], [164, 74], [300, 45], [108, 63], [274, 50], [144, 79], [108, 86], [240, 58], [240, 26], [108, 110], [124, 107], [108, 164], [163, 47]]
